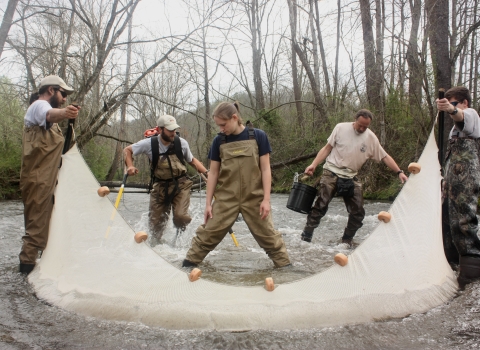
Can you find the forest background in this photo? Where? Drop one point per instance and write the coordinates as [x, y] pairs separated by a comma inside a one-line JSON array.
[[297, 68]]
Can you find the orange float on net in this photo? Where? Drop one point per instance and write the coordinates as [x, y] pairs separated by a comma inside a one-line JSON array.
[[141, 236], [414, 168], [195, 274], [103, 191], [269, 285], [384, 216], [341, 259]]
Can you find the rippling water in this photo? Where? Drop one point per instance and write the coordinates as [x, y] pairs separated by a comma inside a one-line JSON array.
[[26, 322]]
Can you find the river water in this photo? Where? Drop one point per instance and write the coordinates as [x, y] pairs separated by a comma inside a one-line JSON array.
[[29, 323]]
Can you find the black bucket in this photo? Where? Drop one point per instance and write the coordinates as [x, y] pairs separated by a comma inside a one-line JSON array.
[[301, 198]]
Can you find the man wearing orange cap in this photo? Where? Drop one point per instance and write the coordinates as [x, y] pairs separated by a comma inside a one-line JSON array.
[[42, 149]]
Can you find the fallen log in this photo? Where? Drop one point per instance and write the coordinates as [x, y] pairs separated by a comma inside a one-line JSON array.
[[293, 161]]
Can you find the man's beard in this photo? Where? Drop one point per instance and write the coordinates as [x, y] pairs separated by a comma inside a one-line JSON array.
[[166, 138], [55, 101]]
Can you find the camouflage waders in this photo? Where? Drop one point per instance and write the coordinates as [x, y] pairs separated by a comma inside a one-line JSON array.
[[460, 198], [326, 192], [169, 194], [42, 152], [239, 190]]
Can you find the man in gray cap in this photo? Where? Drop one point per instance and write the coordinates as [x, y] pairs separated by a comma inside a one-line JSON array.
[[42, 150], [171, 187]]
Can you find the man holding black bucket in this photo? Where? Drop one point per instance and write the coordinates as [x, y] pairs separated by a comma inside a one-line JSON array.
[[349, 146]]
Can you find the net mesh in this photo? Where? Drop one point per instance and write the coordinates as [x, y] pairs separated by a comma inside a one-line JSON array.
[[94, 267]]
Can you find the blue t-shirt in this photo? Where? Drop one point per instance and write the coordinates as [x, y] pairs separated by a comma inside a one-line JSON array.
[[260, 136]]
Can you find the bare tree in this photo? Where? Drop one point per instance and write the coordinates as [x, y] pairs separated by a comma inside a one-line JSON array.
[[255, 16], [301, 54], [438, 12], [123, 110], [373, 55], [320, 43], [296, 84], [438, 33], [7, 22], [414, 67]]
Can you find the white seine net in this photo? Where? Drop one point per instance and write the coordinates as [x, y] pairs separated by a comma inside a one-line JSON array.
[[398, 270]]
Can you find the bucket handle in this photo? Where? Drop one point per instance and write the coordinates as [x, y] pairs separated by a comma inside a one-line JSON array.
[[295, 177]]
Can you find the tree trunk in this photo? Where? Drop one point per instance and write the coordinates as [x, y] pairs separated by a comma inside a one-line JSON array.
[[438, 33], [62, 71], [337, 49], [123, 111], [206, 96], [255, 27], [373, 62], [473, 51], [322, 49], [7, 22], [321, 117], [296, 84], [380, 27], [415, 73], [316, 69]]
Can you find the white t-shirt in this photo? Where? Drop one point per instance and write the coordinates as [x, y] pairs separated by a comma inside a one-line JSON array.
[[351, 150], [469, 127], [37, 114], [145, 147]]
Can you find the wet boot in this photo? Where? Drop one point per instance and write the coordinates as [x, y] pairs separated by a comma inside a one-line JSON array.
[[187, 263], [26, 268], [469, 270], [307, 237], [348, 235]]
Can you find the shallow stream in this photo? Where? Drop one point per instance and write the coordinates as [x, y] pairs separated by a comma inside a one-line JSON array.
[[29, 323]]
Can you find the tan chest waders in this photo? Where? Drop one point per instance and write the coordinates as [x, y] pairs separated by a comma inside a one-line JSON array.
[[42, 150], [171, 191], [239, 190]]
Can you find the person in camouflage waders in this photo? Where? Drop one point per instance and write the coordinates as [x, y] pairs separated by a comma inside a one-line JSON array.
[[348, 147], [42, 151], [240, 179], [461, 185]]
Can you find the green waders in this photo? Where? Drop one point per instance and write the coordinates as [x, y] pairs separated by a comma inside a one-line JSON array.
[[239, 190], [169, 193], [42, 151]]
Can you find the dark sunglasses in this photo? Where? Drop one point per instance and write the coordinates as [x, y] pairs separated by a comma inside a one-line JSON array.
[[64, 93], [454, 103]]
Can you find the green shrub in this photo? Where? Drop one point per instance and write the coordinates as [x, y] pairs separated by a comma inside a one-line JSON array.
[[11, 130]]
